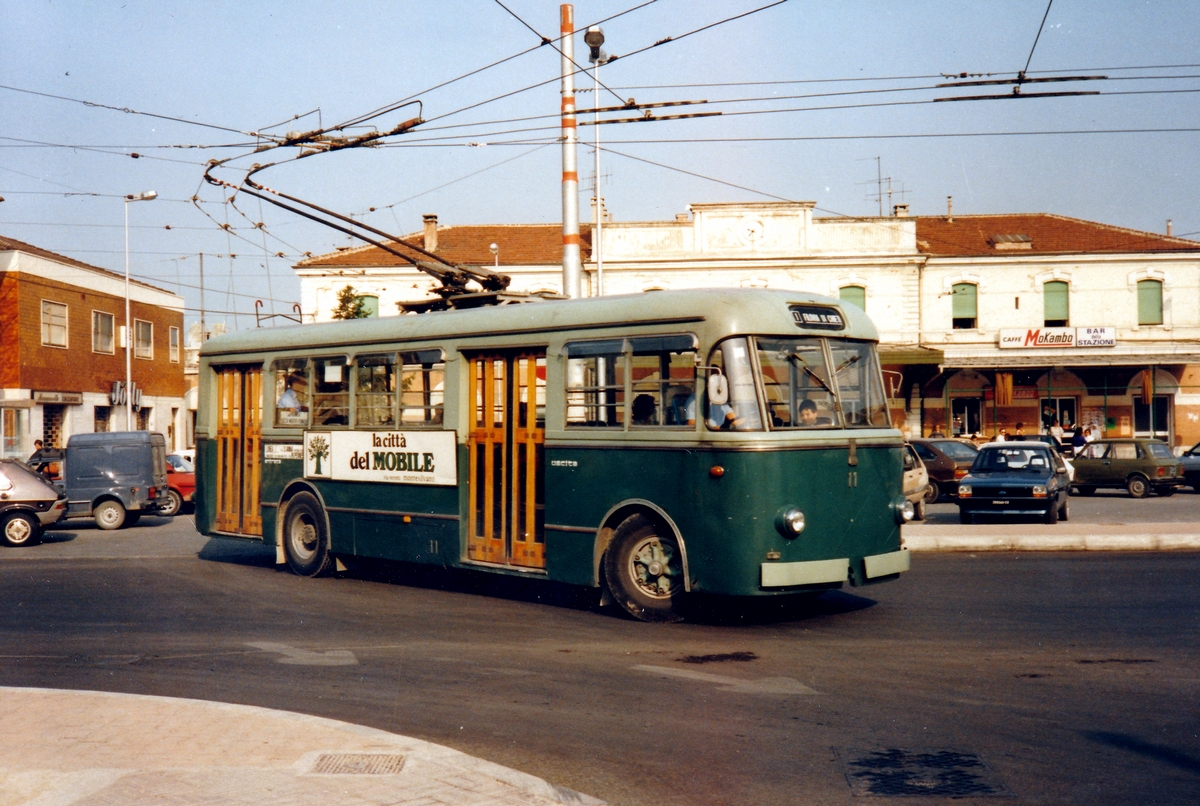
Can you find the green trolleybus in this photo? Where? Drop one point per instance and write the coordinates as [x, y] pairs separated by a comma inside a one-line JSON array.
[[731, 442]]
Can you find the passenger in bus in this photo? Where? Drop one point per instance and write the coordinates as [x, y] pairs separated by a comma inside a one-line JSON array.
[[808, 413], [644, 411], [288, 400], [721, 416]]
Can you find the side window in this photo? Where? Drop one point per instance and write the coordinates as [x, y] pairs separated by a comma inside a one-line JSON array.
[[291, 392], [663, 375], [925, 453], [740, 413], [596, 384], [1125, 450], [422, 388], [910, 460], [331, 391], [1095, 451], [54, 324], [375, 391]]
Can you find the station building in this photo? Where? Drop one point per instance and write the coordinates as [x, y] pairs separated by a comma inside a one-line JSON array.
[[62, 353], [987, 322]]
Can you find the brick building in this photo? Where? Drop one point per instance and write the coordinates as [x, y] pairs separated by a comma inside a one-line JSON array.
[[985, 321], [62, 351]]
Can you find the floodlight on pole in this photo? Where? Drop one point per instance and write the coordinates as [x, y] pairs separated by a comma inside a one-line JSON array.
[[495, 250], [145, 195], [594, 38]]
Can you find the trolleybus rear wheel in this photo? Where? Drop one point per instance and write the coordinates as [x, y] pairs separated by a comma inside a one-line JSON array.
[[20, 529], [643, 569], [305, 539]]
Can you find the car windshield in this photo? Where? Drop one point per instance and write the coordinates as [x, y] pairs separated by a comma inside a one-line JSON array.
[[1159, 450], [1005, 459], [959, 451]]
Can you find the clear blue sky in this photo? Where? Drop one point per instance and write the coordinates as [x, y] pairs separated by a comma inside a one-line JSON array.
[[64, 165]]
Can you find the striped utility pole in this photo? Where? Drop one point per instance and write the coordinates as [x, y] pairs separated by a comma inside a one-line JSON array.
[[572, 259]]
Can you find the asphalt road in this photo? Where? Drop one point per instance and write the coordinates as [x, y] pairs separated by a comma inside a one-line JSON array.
[[1040, 678]]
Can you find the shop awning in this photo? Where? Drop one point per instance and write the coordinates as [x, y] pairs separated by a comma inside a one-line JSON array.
[[892, 354]]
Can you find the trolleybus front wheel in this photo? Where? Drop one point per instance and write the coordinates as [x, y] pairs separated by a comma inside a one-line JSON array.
[[643, 569], [305, 542]]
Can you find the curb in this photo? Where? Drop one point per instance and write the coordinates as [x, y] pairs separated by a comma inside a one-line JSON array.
[[1054, 542]]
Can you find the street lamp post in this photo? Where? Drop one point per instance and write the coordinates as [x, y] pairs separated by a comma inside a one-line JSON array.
[[594, 38], [495, 250], [146, 195]]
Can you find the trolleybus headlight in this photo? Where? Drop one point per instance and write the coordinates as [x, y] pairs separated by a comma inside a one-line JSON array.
[[904, 510], [789, 521]]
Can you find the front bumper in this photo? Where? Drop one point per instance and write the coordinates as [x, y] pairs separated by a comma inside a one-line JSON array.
[[825, 572], [1007, 506]]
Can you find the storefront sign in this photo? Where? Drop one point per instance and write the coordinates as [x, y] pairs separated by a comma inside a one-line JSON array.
[[274, 453], [61, 398], [1058, 337], [394, 457], [1019, 393]]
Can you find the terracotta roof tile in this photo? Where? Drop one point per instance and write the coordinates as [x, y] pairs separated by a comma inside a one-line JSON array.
[[973, 235], [520, 245]]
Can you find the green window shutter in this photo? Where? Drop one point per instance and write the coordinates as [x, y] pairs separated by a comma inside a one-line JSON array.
[[370, 305], [1057, 300], [963, 301], [855, 295], [1149, 302]]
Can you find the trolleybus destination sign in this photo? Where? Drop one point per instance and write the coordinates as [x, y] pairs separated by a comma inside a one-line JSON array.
[[396, 457]]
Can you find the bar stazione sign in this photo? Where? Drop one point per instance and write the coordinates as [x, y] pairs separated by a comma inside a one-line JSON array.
[[1040, 337]]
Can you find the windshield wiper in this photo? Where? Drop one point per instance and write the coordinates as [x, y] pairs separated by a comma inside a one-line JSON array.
[[798, 360]]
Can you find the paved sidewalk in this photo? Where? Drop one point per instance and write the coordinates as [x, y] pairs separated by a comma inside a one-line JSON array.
[[86, 747], [1069, 536]]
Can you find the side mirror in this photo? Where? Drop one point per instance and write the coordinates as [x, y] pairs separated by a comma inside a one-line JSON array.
[[718, 389]]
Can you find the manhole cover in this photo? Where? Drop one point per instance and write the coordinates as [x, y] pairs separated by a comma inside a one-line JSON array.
[[358, 764], [925, 773]]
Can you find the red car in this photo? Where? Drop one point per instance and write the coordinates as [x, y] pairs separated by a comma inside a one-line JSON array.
[[181, 486]]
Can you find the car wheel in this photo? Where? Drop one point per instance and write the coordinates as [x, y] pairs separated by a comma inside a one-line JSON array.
[[933, 493], [172, 509], [1064, 512], [110, 515], [1138, 486], [964, 516], [643, 569], [1051, 516], [305, 539], [919, 510], [1165, 492], [19, 529]]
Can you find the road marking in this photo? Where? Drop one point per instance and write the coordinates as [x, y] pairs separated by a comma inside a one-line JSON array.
[[306, 657], [766, 685]]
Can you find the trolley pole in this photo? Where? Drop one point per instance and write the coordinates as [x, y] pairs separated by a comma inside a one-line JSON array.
[[572, 266]]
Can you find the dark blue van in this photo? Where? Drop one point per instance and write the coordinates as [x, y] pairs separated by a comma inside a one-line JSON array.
[[115, 477]]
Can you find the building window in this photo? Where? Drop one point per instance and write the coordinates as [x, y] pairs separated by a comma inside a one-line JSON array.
[[1057, 303], [1150, 302], [100, 418], [370, 305], [143, 343], [963, 306], [102, 332], [855, 295], [174, 345], [54, 324]]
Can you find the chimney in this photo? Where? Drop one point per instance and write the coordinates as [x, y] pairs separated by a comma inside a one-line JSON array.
[[1168, 228], [900, 210], [950, 209], [430, 231]]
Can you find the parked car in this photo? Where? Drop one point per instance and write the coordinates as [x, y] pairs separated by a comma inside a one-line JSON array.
[[115, 477], [181, 488], [1138, 465], [947, 460], [916, 482], [1191, 466], [180, 462], [28, 504], [1016, 478]]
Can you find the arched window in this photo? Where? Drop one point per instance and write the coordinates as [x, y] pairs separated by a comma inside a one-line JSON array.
[[855, 295], [1056, 300], [964, 308], [1150, 298], [370, 304]]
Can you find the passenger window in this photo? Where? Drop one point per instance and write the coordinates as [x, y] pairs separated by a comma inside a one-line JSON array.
[[375, 391], [1125, 450], [291, 392], [663, 375], [596, 384], [331, 393], [422, 388]]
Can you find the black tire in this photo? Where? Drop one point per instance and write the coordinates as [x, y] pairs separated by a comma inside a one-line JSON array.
[[643, 569], [963, 516], [1138, 486], [174, 507], [1165, 492], [1051, 516], [305, 537], [933, 493], [1064, 512], [19, 529], [109, 515], [1086, 490], [919, 510]]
